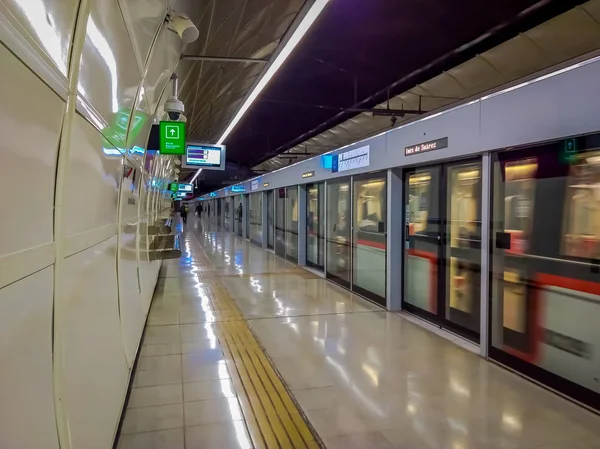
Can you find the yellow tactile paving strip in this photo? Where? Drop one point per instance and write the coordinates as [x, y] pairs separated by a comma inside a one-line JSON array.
[[272, 417]]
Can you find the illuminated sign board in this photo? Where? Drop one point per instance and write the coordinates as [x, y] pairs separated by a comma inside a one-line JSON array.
[[212, 194], [265, 184], [172, 138], [350, 160], [204, 156], [238, 188], [308, 174], [173, 187], [427, 146], [327, 161], [254, 185], [185, 188]]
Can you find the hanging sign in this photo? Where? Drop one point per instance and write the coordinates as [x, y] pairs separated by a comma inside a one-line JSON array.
[[427, 146]]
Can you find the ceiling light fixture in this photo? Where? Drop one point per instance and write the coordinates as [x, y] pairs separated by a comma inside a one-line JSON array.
[[297, 35]]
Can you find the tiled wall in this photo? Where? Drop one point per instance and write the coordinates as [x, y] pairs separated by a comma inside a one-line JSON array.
[[81, 81]]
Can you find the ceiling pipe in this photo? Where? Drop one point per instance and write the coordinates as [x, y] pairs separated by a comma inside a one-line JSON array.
[[224, 59]]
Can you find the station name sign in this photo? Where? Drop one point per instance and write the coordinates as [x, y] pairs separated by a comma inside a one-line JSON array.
[[308, 174], [427, 146], [350, 160], [265, 184]]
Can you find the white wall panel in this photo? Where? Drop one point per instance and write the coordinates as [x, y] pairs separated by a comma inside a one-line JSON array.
[[29, 145], [92, 187], [95, 370], [551, 108], [47, 24], [132, 310], [26, 398], [144, 18], [109, 77]]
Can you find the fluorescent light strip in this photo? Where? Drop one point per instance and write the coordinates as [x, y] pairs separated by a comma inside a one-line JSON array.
[[299, 32], [196, 175]]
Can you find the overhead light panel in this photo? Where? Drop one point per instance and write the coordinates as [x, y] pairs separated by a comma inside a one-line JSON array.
[[312, 14]]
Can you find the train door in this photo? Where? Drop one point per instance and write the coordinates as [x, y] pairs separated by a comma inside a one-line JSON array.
[[442, 256]]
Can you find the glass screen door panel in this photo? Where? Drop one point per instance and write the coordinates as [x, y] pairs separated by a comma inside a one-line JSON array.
[[339, 266], [369, 237], [442, 257], [291, 223], [315, 226], [280, 222], [462, 246], [422, 239], [270, 219]]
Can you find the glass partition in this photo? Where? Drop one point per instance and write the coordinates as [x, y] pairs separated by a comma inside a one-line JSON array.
[[369, 244], [256, 218], [239, 214], [315, 226], [338, 232], [291, 223], [280, 222], [270, 219], [228, 212]]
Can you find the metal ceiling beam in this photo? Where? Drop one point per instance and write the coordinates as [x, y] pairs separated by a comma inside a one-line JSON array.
[[224, 59]]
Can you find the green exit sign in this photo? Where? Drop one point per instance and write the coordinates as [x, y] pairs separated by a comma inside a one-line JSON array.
[[570, 151], [172, 138]]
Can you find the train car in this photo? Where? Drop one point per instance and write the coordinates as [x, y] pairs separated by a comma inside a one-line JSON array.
[[546, 264]]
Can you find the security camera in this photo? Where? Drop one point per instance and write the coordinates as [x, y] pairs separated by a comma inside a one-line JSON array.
[[174, 110], [174, 107], [182, 25]]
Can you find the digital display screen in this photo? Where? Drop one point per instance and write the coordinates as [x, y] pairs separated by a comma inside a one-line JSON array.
[[203, 156], [207, 156]]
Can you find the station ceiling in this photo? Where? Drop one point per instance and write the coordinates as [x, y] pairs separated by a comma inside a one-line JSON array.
[[356, 55]]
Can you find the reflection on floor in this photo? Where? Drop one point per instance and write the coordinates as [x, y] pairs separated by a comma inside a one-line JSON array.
[[363, 377]]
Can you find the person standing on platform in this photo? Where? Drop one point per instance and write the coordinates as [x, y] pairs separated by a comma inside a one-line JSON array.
[[184, 212], [199, 210]]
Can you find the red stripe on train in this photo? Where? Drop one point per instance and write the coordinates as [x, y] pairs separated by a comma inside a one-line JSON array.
[[371, 244]]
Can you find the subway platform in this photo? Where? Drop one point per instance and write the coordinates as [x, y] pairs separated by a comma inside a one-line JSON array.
[[245, 350]]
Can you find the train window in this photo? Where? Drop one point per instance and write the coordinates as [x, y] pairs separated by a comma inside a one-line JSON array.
[[419, 184], [518, 201], [581, 226]]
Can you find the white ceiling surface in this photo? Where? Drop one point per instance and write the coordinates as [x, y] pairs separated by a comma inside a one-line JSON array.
[[567, 36], [213, 91]]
